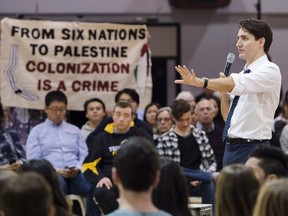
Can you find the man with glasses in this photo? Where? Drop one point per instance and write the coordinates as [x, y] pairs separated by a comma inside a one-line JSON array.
[[62, 144]]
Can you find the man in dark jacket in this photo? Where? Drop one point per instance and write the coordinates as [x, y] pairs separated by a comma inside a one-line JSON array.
[[98, 164]]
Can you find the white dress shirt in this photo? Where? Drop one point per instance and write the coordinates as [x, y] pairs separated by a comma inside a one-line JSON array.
[[63, 145], [259, 93]]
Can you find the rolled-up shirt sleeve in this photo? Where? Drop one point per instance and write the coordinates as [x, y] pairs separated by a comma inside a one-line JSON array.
[[256, 81]]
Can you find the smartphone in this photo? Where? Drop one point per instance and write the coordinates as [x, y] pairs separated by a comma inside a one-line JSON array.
[[70, 167], [12, 161]]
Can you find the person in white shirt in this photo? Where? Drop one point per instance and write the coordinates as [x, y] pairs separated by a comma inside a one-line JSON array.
[[259, 91]]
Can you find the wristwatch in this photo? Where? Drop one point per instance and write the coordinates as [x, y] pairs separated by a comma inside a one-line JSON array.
[[205, 82]]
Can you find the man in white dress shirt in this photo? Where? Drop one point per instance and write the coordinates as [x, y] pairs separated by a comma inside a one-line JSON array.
[[259, 92]]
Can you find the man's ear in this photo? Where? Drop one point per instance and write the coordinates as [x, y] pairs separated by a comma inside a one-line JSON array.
[[52, 211], [156, 180], [115, 176], [46, 109], [262, 41], [271, 177]]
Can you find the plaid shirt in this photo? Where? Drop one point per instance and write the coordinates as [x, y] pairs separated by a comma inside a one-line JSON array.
[[10, 147], [167, 146]]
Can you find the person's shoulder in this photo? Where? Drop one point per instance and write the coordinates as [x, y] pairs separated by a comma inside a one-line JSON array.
[[71, 126], [196, 131], [142, 124], [39, 127], [11, 131], [121, 212], [162, 213]]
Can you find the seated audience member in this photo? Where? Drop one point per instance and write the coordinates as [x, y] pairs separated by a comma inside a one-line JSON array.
[[281, 120], [284, 139], [136, 174], [150, 114], [27, 195], [218, 118], [124, 95], [268, 163], [206, 93], [12, 154], [187, 96], [164, 121], [236, 191], [63, 145], [205, 115], [272, 199], [104, 146], [95, 112], [45, 169], [171, 193], [6, 116], [280, 128], [189, 146], [22, 120], [5, 176]]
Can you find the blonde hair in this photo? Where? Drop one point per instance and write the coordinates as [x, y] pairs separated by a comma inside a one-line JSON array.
[[272, 199]]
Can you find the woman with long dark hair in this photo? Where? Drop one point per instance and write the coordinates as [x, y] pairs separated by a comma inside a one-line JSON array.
[[44, 168], [171, 194]]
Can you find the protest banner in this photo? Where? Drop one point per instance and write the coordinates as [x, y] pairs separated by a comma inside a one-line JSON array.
[[84, 60]]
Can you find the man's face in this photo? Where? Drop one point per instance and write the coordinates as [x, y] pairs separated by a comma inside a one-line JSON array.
[[122, 118], [205, 112], [183, 123], [258, 171], [126, 98], [56, 112], [95, 111], [248, 47]]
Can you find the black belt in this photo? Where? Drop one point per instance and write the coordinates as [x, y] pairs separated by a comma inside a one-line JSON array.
[[235, 141]]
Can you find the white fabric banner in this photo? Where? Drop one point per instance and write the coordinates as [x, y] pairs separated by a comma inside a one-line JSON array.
[[84, 60]]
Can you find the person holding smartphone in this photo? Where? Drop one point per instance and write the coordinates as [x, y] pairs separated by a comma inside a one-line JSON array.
[[12, 154]]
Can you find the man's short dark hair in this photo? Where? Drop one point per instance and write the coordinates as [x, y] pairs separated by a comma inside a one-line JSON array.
[[123, 104], [259, 29], [272, 160], [55, 96], [27, 195], [137, 164], [179, 107], [94, 100], [131, 92]]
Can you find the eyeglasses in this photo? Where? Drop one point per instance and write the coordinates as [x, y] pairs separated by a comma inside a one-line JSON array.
[[57, 109], [163, 119]]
